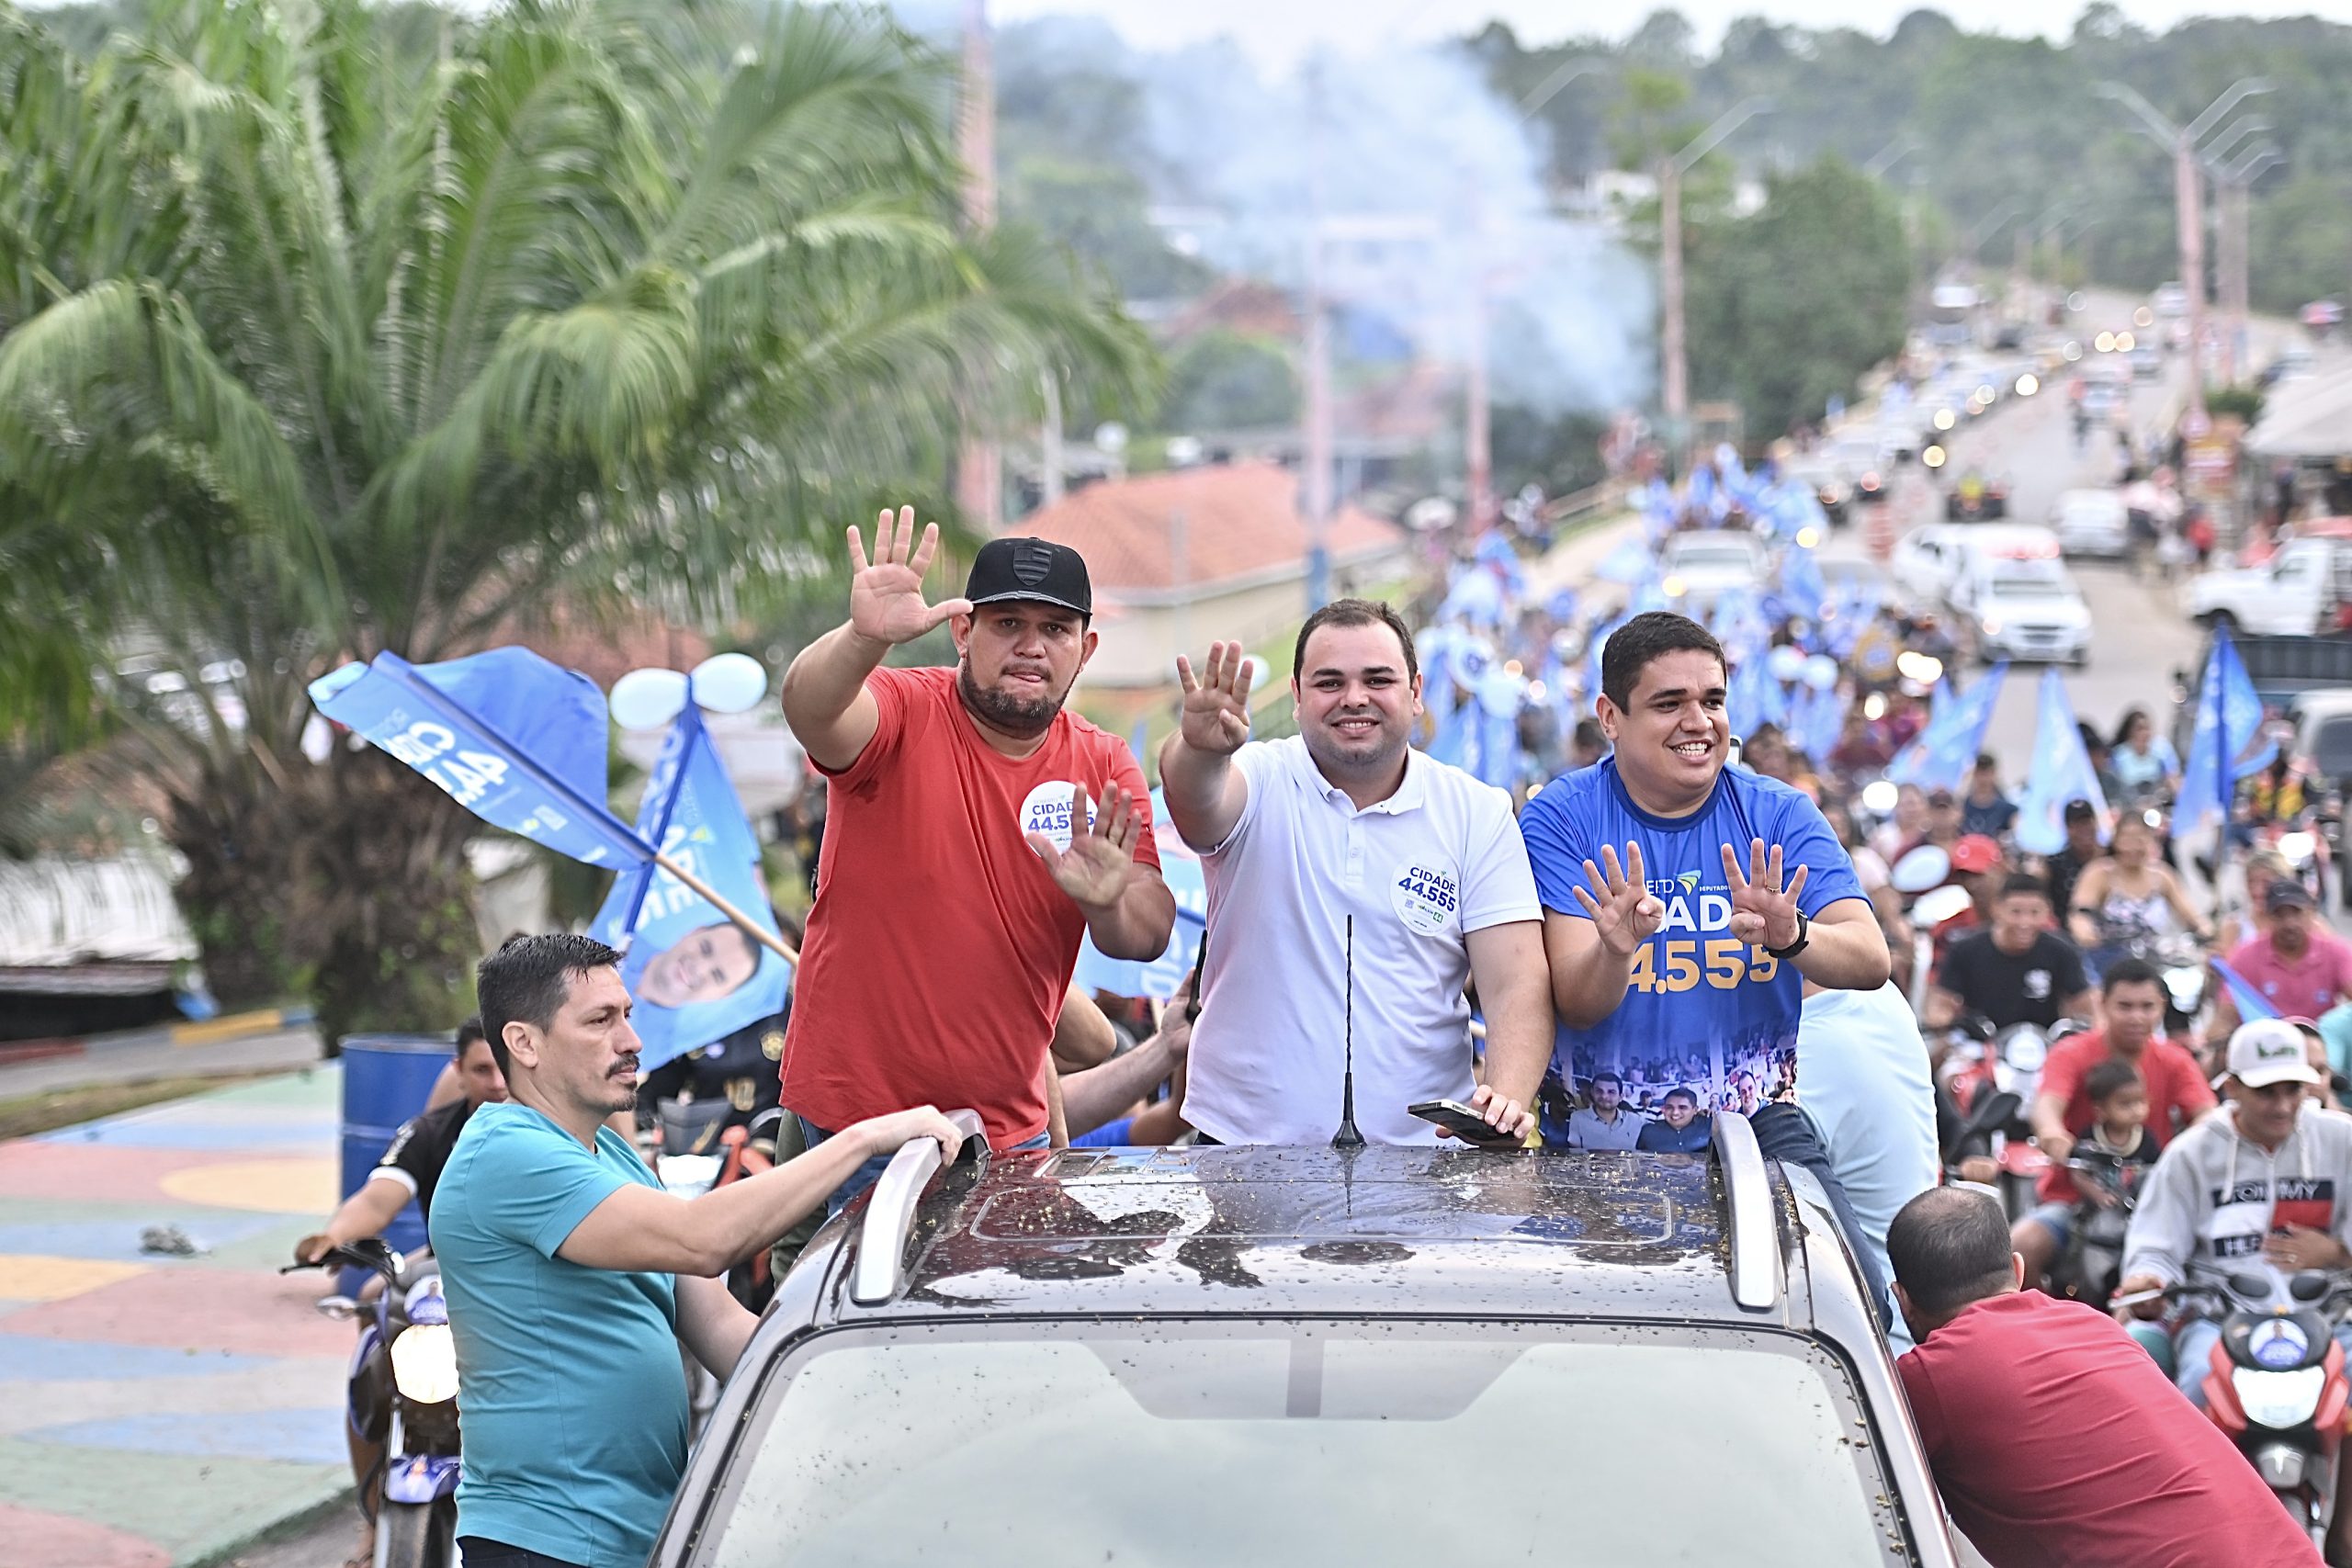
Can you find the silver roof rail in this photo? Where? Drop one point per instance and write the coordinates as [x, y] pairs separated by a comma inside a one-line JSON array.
[[1747, 1202], [881, 1267]]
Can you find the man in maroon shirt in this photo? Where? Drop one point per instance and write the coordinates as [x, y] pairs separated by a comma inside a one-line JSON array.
[[2053, 1436]]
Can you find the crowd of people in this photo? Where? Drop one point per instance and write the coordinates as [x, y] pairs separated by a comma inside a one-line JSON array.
[[1602, 933]]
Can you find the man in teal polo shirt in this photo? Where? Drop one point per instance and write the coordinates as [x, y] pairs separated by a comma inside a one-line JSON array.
[[572, 1276]]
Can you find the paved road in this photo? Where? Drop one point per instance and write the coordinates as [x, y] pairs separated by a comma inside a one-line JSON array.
[[2142, 634], [148, 1059]]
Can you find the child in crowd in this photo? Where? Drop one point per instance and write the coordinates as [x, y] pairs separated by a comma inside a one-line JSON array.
[[2118, 1132]]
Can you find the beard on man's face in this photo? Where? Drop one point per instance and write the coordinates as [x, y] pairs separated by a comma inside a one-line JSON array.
[[1024, 718]]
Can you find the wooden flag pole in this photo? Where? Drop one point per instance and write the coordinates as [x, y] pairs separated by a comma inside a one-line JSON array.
[[749, 927]]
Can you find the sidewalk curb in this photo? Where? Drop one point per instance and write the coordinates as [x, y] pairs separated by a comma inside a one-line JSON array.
[[210, 1032], [270, 1532]]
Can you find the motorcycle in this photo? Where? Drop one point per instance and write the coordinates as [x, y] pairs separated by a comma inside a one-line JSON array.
[[2093, 1262], [404, 1380], [2277, 1384], [2181, 962]]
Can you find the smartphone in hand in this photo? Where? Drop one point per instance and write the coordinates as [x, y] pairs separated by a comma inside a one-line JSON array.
[[1463, 1123]]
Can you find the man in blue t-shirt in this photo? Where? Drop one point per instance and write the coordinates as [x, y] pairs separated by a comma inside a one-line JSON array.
[[1685, 903], [572, 1276]]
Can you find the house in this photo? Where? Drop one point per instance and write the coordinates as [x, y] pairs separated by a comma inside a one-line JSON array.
[[1184, 558]]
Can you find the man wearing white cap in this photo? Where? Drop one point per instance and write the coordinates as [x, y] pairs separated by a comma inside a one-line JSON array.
[[2260, 1187]]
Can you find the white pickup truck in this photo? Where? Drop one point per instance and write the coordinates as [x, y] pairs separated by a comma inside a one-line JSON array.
[[2294, 594]]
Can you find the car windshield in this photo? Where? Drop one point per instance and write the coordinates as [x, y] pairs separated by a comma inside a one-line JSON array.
[[1715, 556], [2027, 585], [1377, 1445], [2332, 749]]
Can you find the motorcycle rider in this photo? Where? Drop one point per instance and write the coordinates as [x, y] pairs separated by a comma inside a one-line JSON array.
[[2133, 1006], [2261, 1187], [411, 1168], [2018, 971]]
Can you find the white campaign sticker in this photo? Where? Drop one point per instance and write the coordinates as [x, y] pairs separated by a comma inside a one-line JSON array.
[[1047, 811], [1426, 899]]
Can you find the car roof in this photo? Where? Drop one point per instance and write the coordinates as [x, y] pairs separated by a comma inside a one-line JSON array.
[[1271, 1231]]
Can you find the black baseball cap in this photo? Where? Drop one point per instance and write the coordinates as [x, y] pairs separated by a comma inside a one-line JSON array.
[[1032, 569], [2286, 892], [2081, 810]]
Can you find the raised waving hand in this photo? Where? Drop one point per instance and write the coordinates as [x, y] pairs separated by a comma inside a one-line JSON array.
[[886, 600], [1762, 911], [1624, 912], [1102, 855], [1216, 704]]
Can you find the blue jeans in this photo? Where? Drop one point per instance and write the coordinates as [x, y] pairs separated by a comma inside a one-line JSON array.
[[1784, 1133], [866, 1175]]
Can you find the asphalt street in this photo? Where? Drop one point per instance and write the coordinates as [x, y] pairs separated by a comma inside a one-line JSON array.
[[2142, 634]]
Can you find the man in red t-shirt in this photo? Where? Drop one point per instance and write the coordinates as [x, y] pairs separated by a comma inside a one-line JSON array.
[[2055, 1438], [960, 866], [2132, 1001]]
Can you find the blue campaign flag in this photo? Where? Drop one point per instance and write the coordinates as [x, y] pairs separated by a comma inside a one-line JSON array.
[[697, 977], [1945, 750], [1801, 583], [1754, 698], [1817, 719], [2250, 1003], [2231, 740], [2061, 771], [514, 739], [1496, 758], [1180, 869]]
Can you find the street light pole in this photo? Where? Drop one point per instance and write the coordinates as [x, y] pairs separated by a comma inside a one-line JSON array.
[[979, 464], [1677, 371], [2189, 204]]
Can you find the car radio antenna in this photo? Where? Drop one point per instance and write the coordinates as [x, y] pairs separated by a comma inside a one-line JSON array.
[[1347, 1137]]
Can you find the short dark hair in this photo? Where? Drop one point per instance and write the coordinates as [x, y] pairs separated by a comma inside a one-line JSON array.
[[2110, 1077], [527, 978], [469, 1031], [2024, 882], [1647, 636], [1356, 613], [1609, 1074], [1986, 759], [1950, 1246], [1588, 735], [1689, 1094], [2129, 972]]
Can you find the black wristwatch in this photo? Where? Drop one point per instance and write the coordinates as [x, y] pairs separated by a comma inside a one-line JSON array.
[[1804, 934]]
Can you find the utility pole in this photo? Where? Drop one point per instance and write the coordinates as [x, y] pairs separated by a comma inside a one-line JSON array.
[[1676, 375], [2233, 203], [2188, 203], [1316, 490], [980, 466]]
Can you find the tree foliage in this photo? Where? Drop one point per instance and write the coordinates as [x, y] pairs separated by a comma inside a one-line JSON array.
[[1788, 305], [1971, 122], [330, 329]]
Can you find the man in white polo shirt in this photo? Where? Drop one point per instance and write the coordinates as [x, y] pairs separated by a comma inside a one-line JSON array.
[[1345, 821]]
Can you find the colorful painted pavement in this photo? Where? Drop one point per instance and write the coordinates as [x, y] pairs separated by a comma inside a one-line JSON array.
[[158, 1410]]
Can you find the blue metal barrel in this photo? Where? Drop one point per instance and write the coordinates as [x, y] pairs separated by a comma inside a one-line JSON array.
[[386, 1080]]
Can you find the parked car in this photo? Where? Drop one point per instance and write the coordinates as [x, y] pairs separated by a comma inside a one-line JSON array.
[[1701, 567], [2294, 594], [1925, 560], [1089, 1343], [2091, 523], [2024, 609]]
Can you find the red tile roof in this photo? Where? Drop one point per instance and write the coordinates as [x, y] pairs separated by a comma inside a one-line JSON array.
[[1240, 520]]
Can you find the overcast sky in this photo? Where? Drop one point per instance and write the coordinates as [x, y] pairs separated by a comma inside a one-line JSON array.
[[1278, 31]]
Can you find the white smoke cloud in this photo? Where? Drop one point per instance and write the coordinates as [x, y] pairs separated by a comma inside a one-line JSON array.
[[1431, 188]]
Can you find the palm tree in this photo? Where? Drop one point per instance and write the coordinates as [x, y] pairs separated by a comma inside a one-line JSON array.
[[330, 329]]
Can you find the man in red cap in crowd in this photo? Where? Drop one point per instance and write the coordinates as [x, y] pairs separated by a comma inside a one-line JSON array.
[[1976, 865]]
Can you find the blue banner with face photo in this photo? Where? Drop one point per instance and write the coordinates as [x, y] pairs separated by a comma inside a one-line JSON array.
[[696, 975]]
